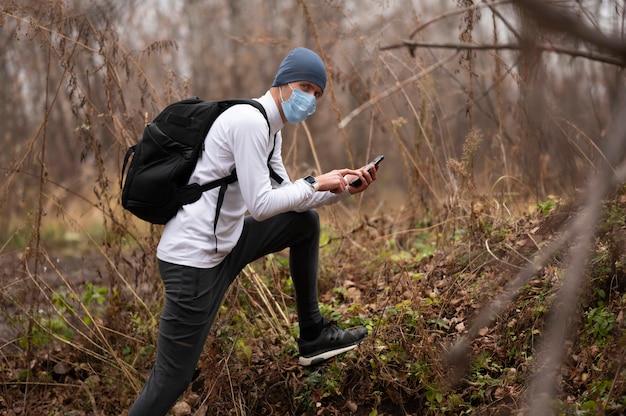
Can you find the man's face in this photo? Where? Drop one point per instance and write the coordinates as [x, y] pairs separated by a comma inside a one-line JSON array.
[[307, 87]]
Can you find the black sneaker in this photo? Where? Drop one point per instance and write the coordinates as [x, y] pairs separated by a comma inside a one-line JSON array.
[[332, 341]]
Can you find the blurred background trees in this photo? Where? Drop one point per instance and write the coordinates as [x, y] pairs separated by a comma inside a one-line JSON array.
[[82, 78]]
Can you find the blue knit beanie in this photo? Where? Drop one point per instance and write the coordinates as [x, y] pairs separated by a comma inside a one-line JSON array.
[[301, 65]]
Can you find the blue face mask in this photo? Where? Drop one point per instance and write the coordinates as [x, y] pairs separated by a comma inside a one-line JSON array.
[[299, 106]]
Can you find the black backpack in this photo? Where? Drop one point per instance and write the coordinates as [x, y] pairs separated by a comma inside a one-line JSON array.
[[155, 186]]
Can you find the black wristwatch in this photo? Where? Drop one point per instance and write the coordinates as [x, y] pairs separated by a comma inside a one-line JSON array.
[[312, 181]]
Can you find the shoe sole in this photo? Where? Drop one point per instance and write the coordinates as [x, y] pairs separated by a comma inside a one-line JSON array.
[[320, 358]]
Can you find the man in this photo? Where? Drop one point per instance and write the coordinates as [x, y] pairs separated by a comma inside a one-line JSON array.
[[200, 257]]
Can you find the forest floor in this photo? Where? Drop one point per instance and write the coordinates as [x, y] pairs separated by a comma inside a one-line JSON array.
[[417, 294]]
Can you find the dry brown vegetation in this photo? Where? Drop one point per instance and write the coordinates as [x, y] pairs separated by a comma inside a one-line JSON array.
[[488, 260]]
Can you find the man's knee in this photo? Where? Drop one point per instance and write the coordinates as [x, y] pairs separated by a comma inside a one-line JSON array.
[[308, 222]]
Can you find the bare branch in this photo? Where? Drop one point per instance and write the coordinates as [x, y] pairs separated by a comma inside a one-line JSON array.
[[559, 20], [513, 46]]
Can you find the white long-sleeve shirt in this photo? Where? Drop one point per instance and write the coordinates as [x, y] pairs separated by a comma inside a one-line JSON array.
[[238, 138]]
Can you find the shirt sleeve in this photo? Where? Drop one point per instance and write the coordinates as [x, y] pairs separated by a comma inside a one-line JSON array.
[[263, 197], [315, 199], [251, 147]]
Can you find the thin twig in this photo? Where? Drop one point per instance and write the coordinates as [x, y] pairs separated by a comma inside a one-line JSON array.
[[309, 137], [398, 86], [492, 254], [454, 13]]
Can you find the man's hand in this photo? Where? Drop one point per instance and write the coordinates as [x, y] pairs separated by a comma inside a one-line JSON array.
[[367, 174], [336, 180]]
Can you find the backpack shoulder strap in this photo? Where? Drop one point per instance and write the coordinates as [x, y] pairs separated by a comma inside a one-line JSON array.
[[254, 103], [273, 173], [229, 103], [224, 182]]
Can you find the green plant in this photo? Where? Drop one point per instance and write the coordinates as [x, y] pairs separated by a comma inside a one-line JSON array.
[[55, 323], [417, 372], [312, 391], [434, 396], [599, 325], [485, 374], [44, 330], [548, 205], [593, 398]]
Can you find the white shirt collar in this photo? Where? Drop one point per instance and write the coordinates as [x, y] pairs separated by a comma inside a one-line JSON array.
[[273, 114]]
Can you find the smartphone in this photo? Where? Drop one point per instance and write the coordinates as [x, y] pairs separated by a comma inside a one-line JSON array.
[[357, 182]]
